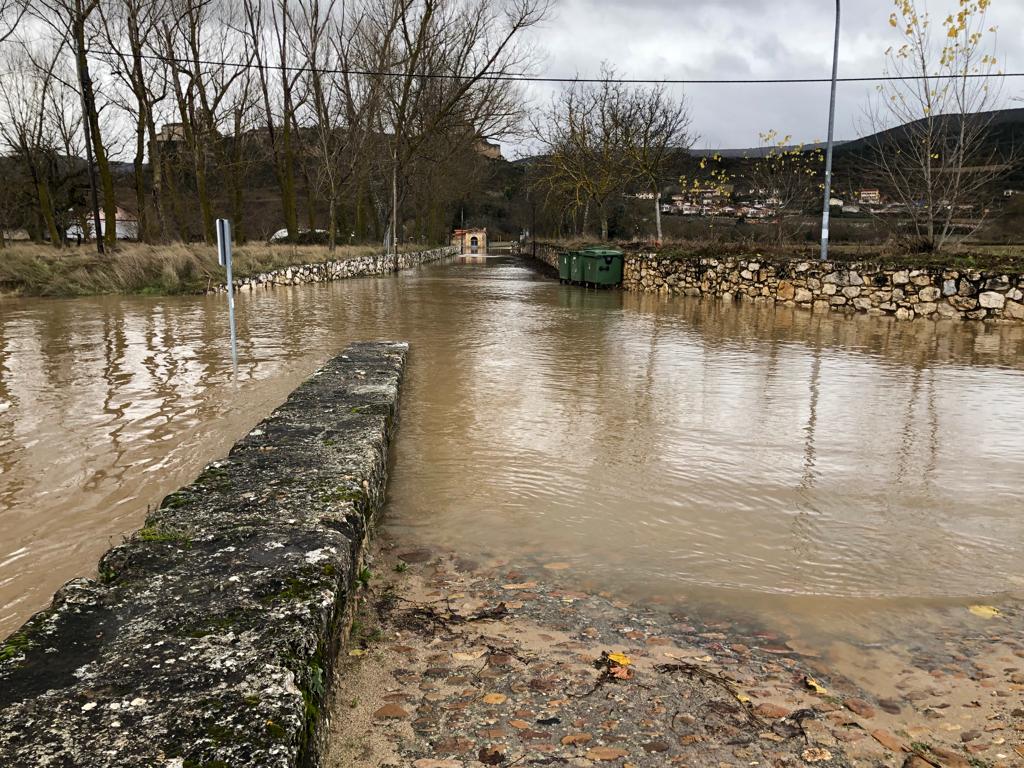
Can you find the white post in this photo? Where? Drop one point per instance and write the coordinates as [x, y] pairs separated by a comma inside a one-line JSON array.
[[224, 256], [826, 209]]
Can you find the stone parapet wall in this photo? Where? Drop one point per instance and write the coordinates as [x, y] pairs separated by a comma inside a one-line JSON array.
[[904, 293], [855, 287], [547, 254], [210, 635], [327, 271]]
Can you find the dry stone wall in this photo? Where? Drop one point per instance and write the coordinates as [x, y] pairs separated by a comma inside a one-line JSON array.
[[905, 293], [327, 271], [934, 293]]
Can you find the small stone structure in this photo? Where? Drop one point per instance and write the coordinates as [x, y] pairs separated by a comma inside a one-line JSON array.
[[327, 271], [904, 293], [470, 241], [210, 635]]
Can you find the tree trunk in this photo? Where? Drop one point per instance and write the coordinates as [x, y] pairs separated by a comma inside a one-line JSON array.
[[657, 215], [46, 210], [143, 234], [287, 175], [99, 150], [332, 223], [209, 229]]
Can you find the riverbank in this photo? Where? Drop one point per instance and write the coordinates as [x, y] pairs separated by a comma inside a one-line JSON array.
[[210, 635], [903, 287], [456, 662], [175, 268]]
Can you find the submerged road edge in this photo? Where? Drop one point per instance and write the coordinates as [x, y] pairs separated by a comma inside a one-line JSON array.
[[210, 636]]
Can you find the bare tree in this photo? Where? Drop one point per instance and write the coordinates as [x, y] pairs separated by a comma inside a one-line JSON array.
[[131, 28], [11, 12], [931, 148], [448, 64], [74, 23], [202, 77], [587, 133], [601, 138], [26, 128], [661, 131]]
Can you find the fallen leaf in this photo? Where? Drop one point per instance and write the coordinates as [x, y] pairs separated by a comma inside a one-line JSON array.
[[357, 652], [622, 673], [620, 658], [814, 685], [495, 698], [984, 611], [526, 585]]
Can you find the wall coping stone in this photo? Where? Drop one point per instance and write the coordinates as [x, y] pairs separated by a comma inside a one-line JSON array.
[[209, 636]]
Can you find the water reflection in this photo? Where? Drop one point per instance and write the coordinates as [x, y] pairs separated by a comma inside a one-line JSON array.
[[661, 446]]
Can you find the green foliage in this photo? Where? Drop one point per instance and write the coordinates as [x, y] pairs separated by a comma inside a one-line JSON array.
[[160, 534], [364, 576], [16, 645]]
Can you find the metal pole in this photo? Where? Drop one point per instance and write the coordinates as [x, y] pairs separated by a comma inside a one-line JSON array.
[[828, 151], [224, 256]]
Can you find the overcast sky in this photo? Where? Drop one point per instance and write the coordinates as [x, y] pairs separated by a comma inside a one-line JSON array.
[[678, 39]]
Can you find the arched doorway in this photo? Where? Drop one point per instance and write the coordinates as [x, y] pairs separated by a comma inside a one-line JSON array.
[[474, 244]]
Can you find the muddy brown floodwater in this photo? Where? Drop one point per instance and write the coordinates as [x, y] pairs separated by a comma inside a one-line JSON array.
[[854, 482]]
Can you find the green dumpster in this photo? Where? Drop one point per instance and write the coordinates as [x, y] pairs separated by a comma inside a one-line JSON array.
[[564, 264], [576, 262], [602, 266]]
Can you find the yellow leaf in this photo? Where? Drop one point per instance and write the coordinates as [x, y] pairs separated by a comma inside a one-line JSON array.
[[814, 685], [357, 652], [742, 699], [620, 658], [984, 611]]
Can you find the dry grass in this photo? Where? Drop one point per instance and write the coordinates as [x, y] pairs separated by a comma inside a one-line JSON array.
[[38, 270]]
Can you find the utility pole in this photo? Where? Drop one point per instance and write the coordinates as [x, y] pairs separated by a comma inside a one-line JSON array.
[[826, 208], [84, 88], [394, 200]]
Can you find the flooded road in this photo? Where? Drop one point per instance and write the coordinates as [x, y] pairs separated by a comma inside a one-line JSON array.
[[822, 473]]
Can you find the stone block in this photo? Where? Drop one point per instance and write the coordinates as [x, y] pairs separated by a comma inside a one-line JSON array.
[[1013, 310], [991, 300]]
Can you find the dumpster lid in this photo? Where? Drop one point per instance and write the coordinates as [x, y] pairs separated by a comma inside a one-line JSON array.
[[600, 251]]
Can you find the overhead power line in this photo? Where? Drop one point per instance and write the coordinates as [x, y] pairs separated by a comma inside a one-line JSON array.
[[524, 78]]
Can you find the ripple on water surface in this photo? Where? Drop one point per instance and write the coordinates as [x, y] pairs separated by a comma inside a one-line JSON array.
[[659, 445]]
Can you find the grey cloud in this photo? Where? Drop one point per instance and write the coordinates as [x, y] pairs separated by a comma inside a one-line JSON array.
[[744, 38]]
